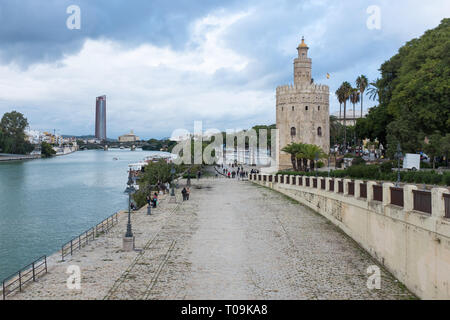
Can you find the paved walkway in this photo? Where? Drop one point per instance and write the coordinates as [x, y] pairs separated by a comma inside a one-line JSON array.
[[232, 240]]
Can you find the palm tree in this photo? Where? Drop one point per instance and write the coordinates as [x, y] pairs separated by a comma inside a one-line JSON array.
[[300, 147], [354, 99], [373, 91], [362, 83], [313, 153], [340, 97], [346, 90], [291, 149], [334, 129]]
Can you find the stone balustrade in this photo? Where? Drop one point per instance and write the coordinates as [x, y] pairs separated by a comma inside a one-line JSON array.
[[399, 227]]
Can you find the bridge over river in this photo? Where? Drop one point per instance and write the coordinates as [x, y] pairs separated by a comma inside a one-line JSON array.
[[232, 240]]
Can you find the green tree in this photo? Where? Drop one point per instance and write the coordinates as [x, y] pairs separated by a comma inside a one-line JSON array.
[[13, 138], [433, 147], [414, 90], [47, 150], [445, 145]]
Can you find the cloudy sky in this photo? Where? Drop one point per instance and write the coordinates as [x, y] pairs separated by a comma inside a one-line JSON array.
[[164, 64]]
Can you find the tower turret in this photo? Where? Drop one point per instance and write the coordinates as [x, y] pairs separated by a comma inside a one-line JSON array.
[[302, 65]]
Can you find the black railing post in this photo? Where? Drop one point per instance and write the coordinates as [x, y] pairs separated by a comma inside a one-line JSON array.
[[71, 247], [45, 259], [34, 273], [20, 281]]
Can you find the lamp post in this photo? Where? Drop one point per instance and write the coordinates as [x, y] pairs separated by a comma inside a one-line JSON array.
[[316, 158], [128, 240], [398, 155], [172, 172]]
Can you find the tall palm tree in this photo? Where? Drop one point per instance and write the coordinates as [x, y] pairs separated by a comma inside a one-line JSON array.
[[346, 92], [362, 83], [354, 99], [340, 97]]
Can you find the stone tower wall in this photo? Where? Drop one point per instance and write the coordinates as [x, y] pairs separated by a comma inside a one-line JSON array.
[[304, 106]]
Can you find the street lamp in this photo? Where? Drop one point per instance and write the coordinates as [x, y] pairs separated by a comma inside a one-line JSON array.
[[172, 172], [128, 241], [398, 155], [316, 158]]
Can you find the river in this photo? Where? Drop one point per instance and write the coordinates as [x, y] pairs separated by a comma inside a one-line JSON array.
[[45, 203]]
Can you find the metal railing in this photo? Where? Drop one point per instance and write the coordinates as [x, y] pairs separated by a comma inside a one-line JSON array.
[[397, 197], [378, 193], [447, 205], [83, 239], [340, 186], [315, 183], [332, 185], [351, 188], [19, 279], [323, 185], [422, 201], [363, 190], [308, 182]]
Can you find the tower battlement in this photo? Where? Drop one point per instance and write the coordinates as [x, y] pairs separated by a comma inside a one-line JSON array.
[[309, 88]]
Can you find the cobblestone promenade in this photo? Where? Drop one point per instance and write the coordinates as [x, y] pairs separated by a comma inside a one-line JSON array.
[[232, 240]]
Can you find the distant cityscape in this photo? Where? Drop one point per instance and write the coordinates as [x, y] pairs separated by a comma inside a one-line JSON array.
[[36, 137]]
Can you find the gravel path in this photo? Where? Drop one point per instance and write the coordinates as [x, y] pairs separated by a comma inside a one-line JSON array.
[[232, 240]]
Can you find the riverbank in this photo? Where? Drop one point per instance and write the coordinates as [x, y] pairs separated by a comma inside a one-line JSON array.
[[46, 202], [230, 241], [12, 157]]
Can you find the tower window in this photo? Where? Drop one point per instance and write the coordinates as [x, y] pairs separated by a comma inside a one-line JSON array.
[[319, 131], [282, 108], [293, 108], [293, 132], [319, 108], [306, 108]]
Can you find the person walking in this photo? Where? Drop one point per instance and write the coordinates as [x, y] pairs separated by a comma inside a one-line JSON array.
[[184, 192], [155, 200], [188, 193]]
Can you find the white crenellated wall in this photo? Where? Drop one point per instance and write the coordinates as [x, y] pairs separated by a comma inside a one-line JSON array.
[[414, 246]]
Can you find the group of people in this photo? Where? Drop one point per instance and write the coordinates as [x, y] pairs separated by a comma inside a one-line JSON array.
[[153, 201], [240, 173], [186, 192]]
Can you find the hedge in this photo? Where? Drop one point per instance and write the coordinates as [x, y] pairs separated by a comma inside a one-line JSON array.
[[375, 172]]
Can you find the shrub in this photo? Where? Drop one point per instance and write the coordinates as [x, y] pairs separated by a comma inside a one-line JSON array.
[[446, 179], [386, 167], [320, 164], [358, 161]]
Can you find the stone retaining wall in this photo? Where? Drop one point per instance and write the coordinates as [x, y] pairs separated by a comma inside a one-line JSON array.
[[414, 246]]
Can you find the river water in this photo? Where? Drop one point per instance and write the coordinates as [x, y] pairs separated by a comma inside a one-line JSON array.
[[45, 203]]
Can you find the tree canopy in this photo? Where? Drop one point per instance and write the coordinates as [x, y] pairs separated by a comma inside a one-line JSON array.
[[12, 134], [413, 93]]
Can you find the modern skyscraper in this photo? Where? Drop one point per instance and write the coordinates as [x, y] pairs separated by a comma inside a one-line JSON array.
[[100, 118]]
